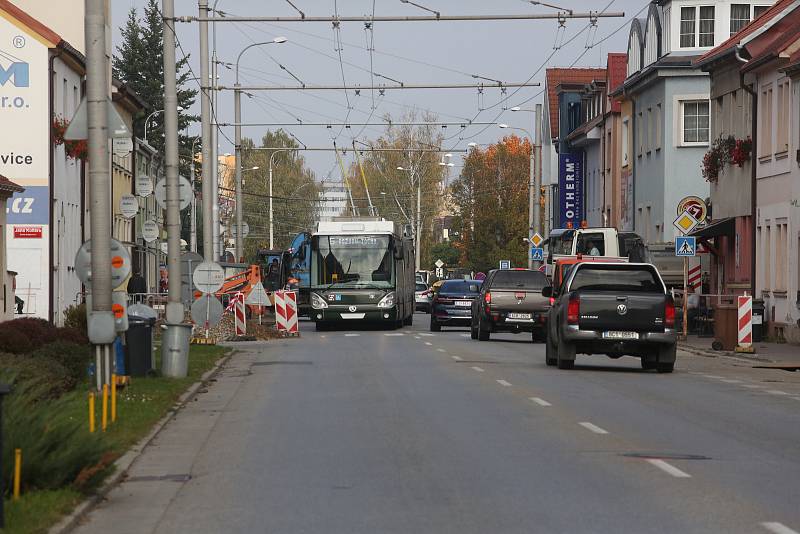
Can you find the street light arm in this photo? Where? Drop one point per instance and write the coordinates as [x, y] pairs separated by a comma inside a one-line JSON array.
[[248, 47]]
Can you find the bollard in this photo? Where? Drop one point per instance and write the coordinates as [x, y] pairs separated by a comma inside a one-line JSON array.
[[5, 389], [91, 412], [104, 416], [113, 398], [17, 471]]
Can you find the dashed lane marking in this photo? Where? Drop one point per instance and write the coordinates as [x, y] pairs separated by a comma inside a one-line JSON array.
[[352, 335], [504, 383], [668, 468], [417, 337], [540, 402], [457, 358], [477, 369], [714, 377], [796, 398], [753, 386], [593, 428], [778, 528], [730, 381], [775, 392], [323, 336], [465, 335], [427, 335], [394, 334], [440, 350], [429, 344]]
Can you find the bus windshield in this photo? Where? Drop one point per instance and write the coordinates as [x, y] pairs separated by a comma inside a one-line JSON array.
[[353, 261]]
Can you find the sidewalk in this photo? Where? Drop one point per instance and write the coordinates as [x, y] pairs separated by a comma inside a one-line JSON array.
[[774, 353]]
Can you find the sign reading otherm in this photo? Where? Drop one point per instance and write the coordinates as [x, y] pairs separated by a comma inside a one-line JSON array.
[[570, 190]]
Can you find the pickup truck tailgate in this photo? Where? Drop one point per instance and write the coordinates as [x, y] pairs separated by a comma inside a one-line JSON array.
[[525, 301], [605, 311]]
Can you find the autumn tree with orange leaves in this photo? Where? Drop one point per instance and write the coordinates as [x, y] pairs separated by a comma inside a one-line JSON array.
[[490, 201]]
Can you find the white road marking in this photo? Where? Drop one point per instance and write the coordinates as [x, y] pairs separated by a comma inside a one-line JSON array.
[[778, 528], [394, 334], [429, 344], [730, 381], [456, 358], [593, 428], [440, 350], [713, 376], [776, 392], [427, 335], [668, 468], [417, 337], [352, 335], [465, 335], [477, 369], [540, 402], [796, 398], [504, 383], [323, 335], [753, 386]]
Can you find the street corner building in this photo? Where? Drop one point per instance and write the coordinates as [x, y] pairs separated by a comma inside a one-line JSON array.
[[40, 87]]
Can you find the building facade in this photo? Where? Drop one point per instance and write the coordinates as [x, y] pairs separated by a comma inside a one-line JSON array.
[[8, 304]]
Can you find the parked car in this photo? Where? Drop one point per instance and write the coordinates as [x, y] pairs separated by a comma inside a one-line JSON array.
[[511, 301], [452, 303], [614, 309], [423, 296]]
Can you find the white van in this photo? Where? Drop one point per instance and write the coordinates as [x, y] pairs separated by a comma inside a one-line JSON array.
[[605, 242]]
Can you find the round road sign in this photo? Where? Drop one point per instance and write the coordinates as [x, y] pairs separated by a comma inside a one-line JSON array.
[[207, 311], [150, 231], [144, 186], [184, 190], [208, 277], [120, 263], [696, 207], [128, 206], [245, 230]]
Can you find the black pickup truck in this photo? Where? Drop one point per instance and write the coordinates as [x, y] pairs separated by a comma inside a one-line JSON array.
[[511, 301], [615, 309]]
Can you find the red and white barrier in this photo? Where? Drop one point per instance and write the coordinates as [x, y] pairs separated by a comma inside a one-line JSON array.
[[695, 275], [745, 315], [239, 314], [286, 311]]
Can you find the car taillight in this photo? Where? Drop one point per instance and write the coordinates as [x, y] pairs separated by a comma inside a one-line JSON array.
[[669, 313], [552, 301], [487, 298], [573, 309]]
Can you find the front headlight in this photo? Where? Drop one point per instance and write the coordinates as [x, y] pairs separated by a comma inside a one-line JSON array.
[[387, 301], [317, 302]]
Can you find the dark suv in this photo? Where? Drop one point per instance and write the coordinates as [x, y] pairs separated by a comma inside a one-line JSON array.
[[511, 301], [452, 303]]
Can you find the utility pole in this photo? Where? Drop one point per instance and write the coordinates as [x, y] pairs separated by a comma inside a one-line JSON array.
[[536, 171], [205, 123], [175, 343], [193, 225], [101, 319], [419, 221], [237, 141], [214, 151]]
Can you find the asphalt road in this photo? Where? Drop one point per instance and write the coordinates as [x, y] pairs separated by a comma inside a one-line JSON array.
[[407, 431]]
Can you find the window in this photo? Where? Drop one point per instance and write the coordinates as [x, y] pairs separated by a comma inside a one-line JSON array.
[[639, 136], [519, 279], [706, 26], [765, 112], [625, 145], [782, 133], [649, 145], [758, 10], [767, 258], [781, 257], [688, 26], [658, 127], [740, 16], [695, 121]]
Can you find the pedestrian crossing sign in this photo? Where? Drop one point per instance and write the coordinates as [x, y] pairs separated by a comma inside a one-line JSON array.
[[537, 254], [685, 246]]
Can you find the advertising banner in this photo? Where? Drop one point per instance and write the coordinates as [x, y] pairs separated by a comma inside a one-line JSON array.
[[30, 206], [570, 190]]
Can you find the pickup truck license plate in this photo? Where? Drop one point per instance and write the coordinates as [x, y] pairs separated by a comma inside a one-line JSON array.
[[519, 315], [614, 334], [463, 303]]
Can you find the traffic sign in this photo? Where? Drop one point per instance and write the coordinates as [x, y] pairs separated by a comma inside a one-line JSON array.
[[208, 277], [128, 206], [685, 246], [144, 185], [207, 311], [257, 296], [150, 231], [537, 254], [122, 146], [184, 193], [696, 207], [439, 263], [120, 263], [536, 239], [505, 264], [234, 230], [686, 222]]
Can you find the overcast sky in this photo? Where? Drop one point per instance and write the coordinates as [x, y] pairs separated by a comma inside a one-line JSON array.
[[411, 52]]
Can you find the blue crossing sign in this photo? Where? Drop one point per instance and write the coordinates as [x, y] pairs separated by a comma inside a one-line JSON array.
[[685, 246], [537, 254]]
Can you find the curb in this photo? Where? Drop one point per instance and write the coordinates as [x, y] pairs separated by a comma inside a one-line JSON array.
[[717, 353], [124, 462]]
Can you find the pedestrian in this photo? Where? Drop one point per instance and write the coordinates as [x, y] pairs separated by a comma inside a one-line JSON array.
[[18, 302], [137, 286]]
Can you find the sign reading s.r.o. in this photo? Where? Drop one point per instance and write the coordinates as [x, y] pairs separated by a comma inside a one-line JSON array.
[[29, 206]]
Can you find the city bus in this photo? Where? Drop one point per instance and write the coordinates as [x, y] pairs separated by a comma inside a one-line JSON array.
[[362, 271]]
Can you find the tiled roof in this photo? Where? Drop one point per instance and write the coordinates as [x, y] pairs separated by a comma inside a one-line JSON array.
[[559, 76], [36, 26], [8, 187]]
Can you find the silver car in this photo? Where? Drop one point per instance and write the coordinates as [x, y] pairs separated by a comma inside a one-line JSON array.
[[423, 297]]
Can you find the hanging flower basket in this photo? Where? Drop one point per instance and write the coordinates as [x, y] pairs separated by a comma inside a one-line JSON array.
[[725, 151], [75, 149]]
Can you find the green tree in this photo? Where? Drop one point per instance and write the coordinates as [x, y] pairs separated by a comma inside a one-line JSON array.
[[139, 64], [446, 252]]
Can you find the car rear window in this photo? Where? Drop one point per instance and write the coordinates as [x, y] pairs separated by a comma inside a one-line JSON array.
[[460, 286], [520, 280], [610, 279], [421, 287]]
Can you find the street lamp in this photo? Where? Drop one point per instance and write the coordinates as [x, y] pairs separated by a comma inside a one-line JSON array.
[[147, 120], [271, 162], [237, 102], [533, 188]]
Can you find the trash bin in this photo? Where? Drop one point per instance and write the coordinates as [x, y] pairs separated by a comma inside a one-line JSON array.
[[139, 344], [759, 311], [726, 330]]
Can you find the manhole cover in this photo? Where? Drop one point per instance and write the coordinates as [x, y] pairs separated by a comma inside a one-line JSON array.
[[161, 478], [665, 456]]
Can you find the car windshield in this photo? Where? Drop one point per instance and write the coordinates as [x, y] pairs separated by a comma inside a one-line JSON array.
[[462, 287], [561, 244], [613, 279], [356, 261], [534, 280]]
